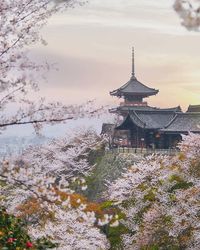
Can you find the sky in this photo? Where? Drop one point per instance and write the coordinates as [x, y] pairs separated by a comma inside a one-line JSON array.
[[91, 47]]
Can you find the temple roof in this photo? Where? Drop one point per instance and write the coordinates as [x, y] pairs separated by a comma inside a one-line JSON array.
[[145, 108], [165, 121], [184, 122], [148, 120], [193, 108], [134, 87], [108, 128]]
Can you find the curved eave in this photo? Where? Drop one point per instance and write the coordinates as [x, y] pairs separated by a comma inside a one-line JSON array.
[[125, 125], [120, 93], [114, 93]]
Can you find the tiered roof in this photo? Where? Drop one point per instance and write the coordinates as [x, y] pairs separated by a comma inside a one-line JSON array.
[[171, 120], [134, 87]]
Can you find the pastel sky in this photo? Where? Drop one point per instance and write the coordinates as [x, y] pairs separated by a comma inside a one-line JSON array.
[[92, 48]]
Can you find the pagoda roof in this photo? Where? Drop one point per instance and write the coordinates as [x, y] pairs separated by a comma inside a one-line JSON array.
[[184, 122], [134, 87]]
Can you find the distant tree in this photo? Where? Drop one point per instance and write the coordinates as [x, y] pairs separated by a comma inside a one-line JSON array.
[[20, 25], [68, 155], [189, 11]]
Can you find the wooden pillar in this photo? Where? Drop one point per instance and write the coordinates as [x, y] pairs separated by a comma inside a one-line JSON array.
[[132, 137], [137, 137], [170, 141]]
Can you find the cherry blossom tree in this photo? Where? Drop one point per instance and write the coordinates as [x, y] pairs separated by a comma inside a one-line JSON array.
[[41, 193], [189, 12], [20, 25], [160, 197], [68, 155], [40, 187]]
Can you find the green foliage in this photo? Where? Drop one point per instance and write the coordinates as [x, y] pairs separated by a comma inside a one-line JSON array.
[[128, 203], [2, 183], [108, 167], [176, 178], [172, 197], [157, 247], [167, 219], [150, 196], [43, 244], [106, 204], [96, 155], [114, 234], [180, 185], [153, 247], [13, 235], [143, 186]]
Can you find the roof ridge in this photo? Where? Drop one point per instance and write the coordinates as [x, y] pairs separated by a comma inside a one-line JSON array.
[[190, 113], [158, 111], [194, 105]]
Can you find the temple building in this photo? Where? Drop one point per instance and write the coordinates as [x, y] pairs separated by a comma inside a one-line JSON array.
[[143, 126]]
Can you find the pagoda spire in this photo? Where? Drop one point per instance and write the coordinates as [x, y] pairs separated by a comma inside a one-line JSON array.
[[133, 63], [134, 91]]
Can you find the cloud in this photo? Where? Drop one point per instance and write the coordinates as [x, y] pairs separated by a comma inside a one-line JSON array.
[[92, 45], [149, 15]]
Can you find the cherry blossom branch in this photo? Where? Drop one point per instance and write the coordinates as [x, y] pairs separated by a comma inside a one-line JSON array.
[[12, 45], [189, 12]]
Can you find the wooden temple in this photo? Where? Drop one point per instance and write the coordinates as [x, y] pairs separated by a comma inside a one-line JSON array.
[[144, 126]]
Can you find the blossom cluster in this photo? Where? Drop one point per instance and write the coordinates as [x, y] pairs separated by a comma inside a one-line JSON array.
[[68, 156], [160, 197], [20, 25], [41, 193], [189, 11]]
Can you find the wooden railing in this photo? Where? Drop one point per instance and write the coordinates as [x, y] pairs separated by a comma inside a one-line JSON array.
[[136, 104], [142, 151]]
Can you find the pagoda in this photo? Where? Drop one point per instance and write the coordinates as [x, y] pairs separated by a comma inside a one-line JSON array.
[[133, 92], [144, 126]]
